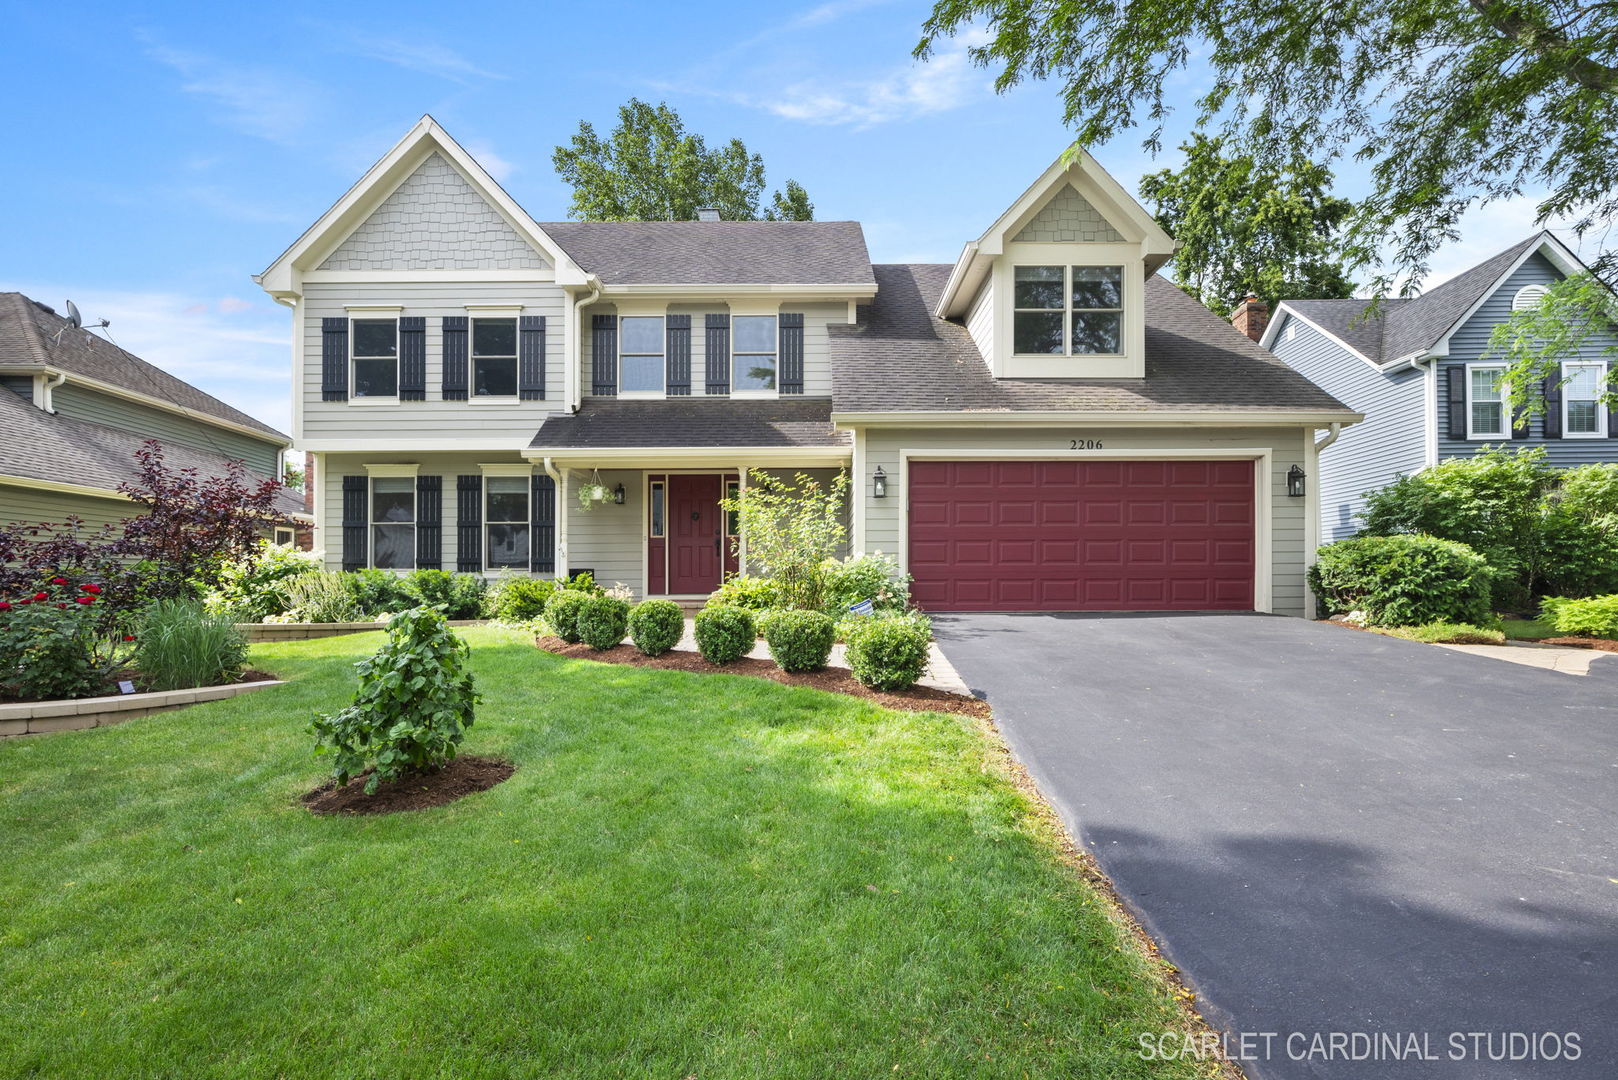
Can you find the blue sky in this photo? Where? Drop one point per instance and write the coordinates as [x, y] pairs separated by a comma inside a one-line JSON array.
[[163, 153]]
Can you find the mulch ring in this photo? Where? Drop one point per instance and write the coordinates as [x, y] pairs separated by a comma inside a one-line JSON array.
[[416, 791], [834, 680], [1599, 644]]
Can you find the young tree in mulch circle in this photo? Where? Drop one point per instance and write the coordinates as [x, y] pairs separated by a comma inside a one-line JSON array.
[[791, 529]]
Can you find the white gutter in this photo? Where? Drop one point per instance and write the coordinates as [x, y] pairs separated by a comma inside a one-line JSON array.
[[51, 383], [1331, 437], [574, 381], [561, 517]]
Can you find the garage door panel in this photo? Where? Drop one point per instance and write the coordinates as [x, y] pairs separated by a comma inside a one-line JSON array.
[[1078, 535]]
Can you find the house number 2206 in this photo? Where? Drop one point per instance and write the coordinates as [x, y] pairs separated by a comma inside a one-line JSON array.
[[1084, 444]]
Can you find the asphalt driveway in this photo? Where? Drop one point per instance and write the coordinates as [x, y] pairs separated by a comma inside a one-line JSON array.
[[1336, 832]]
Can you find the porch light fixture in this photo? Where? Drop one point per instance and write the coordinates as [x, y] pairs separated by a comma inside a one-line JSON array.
[[1295, 482], [618, 494], [879, 484]]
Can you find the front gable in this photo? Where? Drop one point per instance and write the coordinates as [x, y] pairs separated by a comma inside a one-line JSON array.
[[1068, 218]]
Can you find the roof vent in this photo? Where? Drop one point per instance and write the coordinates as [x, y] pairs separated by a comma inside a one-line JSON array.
[[1529, 296], [708, 213]]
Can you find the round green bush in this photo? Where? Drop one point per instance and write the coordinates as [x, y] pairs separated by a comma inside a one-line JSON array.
[[724, 633], [656, 625], [602, 621], [800, 640], [1403, 580], [889, 653], [562, 612], [752, 593], [519, 599]]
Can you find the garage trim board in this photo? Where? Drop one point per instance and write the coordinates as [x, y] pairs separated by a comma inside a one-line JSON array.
[[1262, 488]]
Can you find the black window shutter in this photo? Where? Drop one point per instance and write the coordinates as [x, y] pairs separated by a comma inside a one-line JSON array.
[[542, 545], [453, 387], [604, 355], [334, 360], [429, 522], [678, 355], [1519, 422], [1552, 388], [469, 524], [355, 490], [716, 350], [531, 358], [790, 374], [1455, 399], [412, 358]]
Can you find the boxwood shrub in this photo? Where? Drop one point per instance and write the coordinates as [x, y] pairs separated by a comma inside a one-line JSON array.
[[1597, 616], [656, 625], [724, 633], [1404, 580], [562, 612], [889, 652], [602, 622], [800, 640]]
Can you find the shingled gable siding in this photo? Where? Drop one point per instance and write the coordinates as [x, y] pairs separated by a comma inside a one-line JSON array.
[[1471, 342], [882, 446], [84, 403], [816, 342], [1366, 455], [433, 418]]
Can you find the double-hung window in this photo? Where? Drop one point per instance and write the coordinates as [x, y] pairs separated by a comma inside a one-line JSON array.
[[494, 358], [1486, 410], [506, 522], [375, 357], [640, 354], [1068, 310], [1584, 416], [393, 522], [752, 353]]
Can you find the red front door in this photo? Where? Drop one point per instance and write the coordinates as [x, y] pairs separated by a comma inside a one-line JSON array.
[[696, 533]]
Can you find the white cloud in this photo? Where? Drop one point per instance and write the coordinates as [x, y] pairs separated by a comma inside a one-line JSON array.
[[947, 81], [427, 58], [495, 165], [1488, 230], [259, 101]]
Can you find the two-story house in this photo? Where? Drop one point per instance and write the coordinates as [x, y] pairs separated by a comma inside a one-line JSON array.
[[1043, 425], [74, 409], [1421, 371]]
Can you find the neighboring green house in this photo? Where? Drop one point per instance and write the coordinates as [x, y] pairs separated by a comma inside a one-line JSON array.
[[74, 408]]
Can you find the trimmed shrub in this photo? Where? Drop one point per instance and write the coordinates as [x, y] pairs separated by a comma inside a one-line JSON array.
[[562, 612], [724, 633], [602, 621], [180, 644], [1595, 617], [752, 593], [889, 652], [799, 640], [656, 625], [518, 599], [460, 595], [414, 704], [1403, 580]]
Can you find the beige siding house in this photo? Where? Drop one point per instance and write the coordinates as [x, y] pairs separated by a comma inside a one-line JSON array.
[[1043, 425]]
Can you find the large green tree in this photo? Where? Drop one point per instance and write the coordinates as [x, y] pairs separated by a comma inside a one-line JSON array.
[[1244, 226], [651, 169]]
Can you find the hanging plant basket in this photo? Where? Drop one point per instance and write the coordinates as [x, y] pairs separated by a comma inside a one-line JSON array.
[[593, 493]]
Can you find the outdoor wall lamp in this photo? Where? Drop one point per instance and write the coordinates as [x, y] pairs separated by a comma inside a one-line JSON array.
[[1295, 482], [879, 484], [618, 494]]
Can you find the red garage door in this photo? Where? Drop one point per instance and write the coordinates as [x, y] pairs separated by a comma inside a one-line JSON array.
[[1082, 535]]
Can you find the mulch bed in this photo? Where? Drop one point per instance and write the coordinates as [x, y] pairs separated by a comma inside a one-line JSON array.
[[1597, 643], [464, 776], [834, 680]]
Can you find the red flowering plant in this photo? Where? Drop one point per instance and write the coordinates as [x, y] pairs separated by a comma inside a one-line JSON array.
[[53, 643]]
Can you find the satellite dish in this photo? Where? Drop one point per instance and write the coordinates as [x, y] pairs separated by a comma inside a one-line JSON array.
[[73, 316]]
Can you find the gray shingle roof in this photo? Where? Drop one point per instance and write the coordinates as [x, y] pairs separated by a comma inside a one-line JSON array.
[[46, 446], [717, 252], [29, 336], [900, 358], [1408, 326], [693, 422]]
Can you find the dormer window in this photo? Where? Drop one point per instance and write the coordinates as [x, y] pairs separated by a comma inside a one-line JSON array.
[[1068, 310]]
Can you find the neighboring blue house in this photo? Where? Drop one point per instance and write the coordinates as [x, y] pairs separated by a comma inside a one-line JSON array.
[[1418, 372]]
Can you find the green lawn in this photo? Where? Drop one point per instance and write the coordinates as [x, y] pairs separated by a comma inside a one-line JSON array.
[[1527, 629], [688, 875]]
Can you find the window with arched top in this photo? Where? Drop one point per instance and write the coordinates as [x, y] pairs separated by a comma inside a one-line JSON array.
[[1528, 296]]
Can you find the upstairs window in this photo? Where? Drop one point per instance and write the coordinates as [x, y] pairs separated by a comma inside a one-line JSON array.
[[494, 358], [505, 522], [1071, 310], [375, 357], [393, 522], [1486, 405], [1583, 414], [752, 351], [640, 354]]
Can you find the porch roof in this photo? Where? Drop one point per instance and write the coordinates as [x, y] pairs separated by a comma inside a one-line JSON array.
[[695, 423]]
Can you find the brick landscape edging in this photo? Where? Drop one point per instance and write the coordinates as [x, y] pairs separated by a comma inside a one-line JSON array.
[[300, 631], [38, 717]]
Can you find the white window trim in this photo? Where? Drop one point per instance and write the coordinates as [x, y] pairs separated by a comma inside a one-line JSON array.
[[1068, 310], [1472, 434], [662, 391], [1601, 406], [374, 473], [528, 494], [291, 535], [384, 313], [475, 312], [754, 311]]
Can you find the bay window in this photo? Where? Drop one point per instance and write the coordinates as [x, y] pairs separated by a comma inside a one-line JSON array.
[[752, 350], [1584, 416], [494, 357], [640, 354], [1068, 310], [506, 522], [393, 522], [374, 355]]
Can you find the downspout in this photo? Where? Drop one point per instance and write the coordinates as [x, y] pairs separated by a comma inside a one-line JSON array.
[[1331, 437], [1311, 512], [561, 517], [575, 381], [47, 386]]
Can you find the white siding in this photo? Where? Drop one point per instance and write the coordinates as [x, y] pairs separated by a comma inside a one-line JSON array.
[[980, 319]]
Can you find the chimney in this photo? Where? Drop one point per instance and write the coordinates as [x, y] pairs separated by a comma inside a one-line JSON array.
[[708, 213], [1251, 316]]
